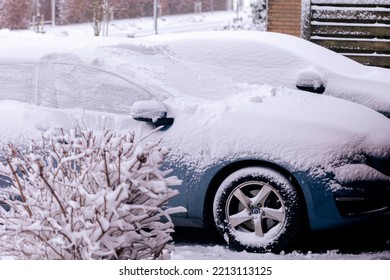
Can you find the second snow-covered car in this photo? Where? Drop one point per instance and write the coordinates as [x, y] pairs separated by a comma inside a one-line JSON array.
[[259, 163], [283, 60]]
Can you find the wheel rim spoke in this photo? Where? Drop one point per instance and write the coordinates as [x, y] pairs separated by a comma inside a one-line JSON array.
[[262, 195], [242, 198], [258, 226], [274, 214], [239, 218]]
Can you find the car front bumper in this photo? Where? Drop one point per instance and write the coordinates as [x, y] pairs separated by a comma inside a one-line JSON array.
[[346, 195], [364, 191]]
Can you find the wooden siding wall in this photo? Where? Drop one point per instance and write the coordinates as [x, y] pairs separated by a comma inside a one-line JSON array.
[[358, 29], [284, 16]]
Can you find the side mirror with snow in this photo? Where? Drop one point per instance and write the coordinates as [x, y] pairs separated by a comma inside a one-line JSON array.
[[311, 81], [151, 111]]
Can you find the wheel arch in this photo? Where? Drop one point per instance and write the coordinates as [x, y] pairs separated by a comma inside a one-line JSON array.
[[223, 173]]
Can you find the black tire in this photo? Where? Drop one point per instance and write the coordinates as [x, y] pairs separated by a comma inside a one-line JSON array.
[[258, 210]]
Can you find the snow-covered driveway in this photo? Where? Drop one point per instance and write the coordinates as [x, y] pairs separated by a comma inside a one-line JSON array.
[[347, 244]]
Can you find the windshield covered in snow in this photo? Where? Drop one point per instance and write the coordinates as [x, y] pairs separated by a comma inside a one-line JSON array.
[[160, 66]]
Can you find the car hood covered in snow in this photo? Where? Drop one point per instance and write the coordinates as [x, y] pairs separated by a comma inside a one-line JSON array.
[[278, 125]]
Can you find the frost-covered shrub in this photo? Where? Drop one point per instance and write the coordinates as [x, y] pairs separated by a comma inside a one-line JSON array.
[[253, 19], [82, 196], [259, 12]]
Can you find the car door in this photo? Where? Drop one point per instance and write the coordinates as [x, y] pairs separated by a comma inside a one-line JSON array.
[[73, 85]]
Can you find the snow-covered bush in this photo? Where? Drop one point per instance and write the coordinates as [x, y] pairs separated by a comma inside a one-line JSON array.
[[254, 18], [259, 12], [83, 196]]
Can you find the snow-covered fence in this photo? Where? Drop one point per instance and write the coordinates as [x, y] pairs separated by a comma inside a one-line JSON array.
[[357, 29], [82, 196]]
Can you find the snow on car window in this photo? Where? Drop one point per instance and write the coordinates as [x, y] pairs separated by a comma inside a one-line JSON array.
[[63, 85]]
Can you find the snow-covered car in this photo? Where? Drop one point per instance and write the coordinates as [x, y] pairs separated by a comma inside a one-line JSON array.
[[284, 60], [260, 163]]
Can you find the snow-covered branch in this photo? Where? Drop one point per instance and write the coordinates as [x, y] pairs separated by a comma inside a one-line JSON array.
[[83, 196]]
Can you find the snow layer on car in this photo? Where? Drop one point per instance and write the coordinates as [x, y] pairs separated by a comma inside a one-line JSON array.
[[276, 59], [215, 118], [279, 125], [358, 172]]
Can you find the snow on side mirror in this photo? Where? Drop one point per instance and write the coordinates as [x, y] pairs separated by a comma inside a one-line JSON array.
[[310, 80], [150, 111]]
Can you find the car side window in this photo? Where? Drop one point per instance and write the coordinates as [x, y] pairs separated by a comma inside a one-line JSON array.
[[18, 81], [64, 85]]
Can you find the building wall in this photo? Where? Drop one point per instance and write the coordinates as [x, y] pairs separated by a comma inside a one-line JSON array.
[[284, 16]]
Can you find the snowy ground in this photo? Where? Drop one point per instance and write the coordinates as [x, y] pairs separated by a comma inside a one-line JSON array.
[[362, 243], [220, 252], [141, 27]]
